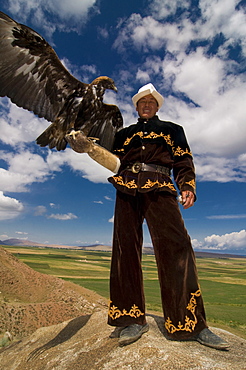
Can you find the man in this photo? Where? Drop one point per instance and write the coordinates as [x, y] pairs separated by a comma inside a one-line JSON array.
[[148, 152]]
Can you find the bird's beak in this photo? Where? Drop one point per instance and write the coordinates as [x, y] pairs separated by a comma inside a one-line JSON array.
[[115, 89]]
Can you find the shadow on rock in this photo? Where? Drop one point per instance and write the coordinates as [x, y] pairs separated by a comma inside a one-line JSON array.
[[65, 334]]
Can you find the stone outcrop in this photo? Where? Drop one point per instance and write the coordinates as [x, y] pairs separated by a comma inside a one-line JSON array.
[[84, 343]]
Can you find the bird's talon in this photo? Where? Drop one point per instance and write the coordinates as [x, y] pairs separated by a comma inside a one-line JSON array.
[[94, 139]]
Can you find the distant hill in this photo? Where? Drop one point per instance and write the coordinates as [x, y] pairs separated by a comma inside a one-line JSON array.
[[21, 243], [106, 248]]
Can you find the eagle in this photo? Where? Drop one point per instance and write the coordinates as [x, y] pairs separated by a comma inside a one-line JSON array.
[[34, 78]]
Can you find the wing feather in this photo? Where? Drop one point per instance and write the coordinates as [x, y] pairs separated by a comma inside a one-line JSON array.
[[105, 125]]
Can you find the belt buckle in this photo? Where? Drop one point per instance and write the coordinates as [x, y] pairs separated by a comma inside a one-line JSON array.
[[136, 167]]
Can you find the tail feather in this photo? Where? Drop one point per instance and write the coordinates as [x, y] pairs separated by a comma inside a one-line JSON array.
[[52, 137]]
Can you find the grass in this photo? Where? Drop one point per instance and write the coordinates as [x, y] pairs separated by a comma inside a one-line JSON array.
[[222, 280]]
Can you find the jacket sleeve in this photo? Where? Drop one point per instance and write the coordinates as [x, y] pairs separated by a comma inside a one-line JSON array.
[[118, 146], [183, 167]]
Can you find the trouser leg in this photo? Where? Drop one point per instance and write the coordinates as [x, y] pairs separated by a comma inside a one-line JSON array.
[[127, 304], [181, 296]]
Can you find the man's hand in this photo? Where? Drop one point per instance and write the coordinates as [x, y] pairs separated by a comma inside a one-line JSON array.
[[188, 199], [79, 142]]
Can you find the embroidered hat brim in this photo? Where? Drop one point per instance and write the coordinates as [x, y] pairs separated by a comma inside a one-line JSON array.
[[146, 90]]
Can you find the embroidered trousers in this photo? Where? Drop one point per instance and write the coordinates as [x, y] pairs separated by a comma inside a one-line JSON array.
[[182, 302]]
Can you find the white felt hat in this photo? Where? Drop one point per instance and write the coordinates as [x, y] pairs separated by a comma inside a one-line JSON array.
[[146, 90]]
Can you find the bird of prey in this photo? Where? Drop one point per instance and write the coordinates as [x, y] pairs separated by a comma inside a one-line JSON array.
[[34, 78]]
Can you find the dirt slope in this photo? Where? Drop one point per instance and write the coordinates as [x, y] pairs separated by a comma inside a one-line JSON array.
[[30, 300]]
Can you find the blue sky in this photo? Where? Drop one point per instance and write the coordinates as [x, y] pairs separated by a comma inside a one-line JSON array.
[[194, 54]]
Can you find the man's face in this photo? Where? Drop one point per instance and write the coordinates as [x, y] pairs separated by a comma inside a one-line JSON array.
[[147, 106]]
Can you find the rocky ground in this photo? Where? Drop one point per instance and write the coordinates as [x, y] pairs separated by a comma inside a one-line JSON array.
[[60, 326], [84, 343]]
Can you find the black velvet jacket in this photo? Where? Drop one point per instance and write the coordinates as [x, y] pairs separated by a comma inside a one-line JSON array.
[[153, 142]]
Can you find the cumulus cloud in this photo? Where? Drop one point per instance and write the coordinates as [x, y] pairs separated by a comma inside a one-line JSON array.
[[17, 125], [85, 73], [162, 9], [24, 168], [88, 168], [203, 87], [9, 207], [234, 241], [202, 91], [42, 13], [227, 241], [219, 169]]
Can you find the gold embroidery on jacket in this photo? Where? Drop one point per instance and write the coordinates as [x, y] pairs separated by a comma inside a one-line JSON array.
[[149, 184], [128, 140], [153, 135], [192, 183], [179, 152], [189, 323], [114, 312], [130, 184], [119, 150]]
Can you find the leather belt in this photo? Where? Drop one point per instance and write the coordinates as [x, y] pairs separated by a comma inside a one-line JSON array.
[[137, 167]]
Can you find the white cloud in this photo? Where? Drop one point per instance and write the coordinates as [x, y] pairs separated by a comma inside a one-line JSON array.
[[88, 168], [221, 16], [212, 168], [142, 76], [40, 211], [108, 198], [215, 124], [24, 169], [214, 115], [68, 9], [63, 217], [85, 73], [9, 207], [226, 241], [4, 236], [41, 13], [17, 125], [226, 217], [235, 241], [164, 8], [103, 32]]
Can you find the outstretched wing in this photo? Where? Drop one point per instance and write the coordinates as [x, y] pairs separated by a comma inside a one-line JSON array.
[[31, 74], [33, 77]]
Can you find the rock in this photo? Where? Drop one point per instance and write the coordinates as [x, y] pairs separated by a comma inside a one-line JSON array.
[[84, 343]]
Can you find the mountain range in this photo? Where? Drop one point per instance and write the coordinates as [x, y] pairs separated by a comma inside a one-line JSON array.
[[105, 248]]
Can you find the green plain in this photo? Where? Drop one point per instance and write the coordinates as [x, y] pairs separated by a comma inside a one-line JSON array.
[[222, 280]]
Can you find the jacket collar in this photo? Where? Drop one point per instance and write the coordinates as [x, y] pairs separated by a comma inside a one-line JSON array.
[[149, 120]]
